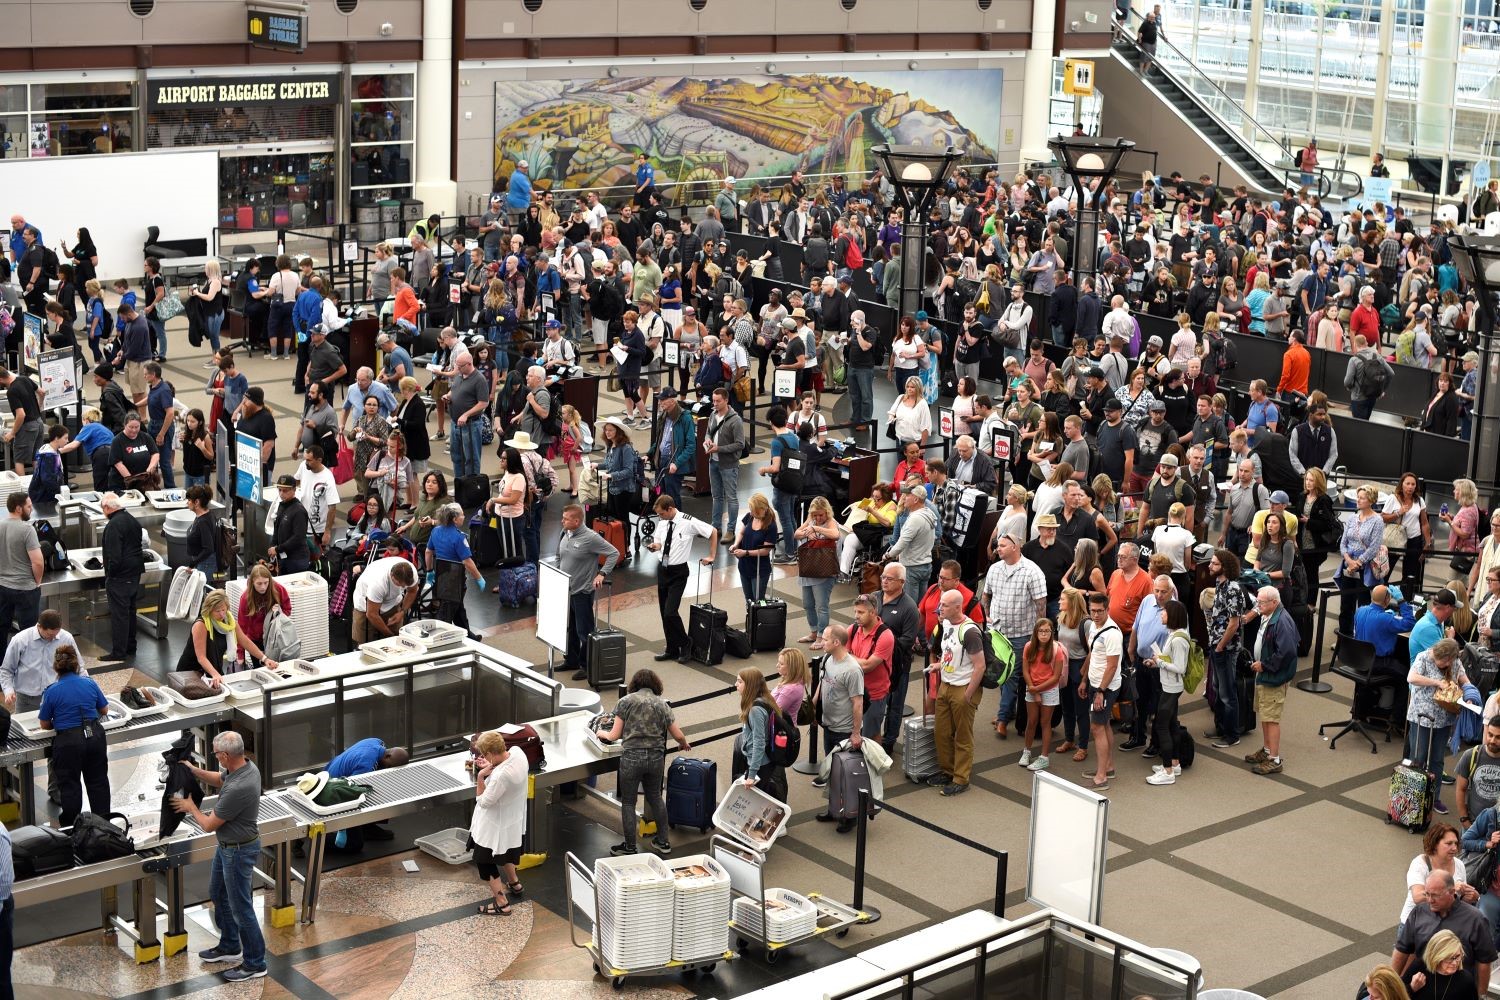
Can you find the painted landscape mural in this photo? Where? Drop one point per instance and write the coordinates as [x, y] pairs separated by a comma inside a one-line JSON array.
[[586, 133]]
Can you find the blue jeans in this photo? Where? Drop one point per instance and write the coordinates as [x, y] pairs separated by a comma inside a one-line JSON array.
[[1236, 540], [916, 581], [724, 481], [815, 598], [208, 565], [1019, 353], [861, 394], [1427, 746], [1226, 691], [671, 485], [158, 337], [464, 448], [194, 480], [874, 719], [165, 450], [22, 605], [211, 327], [1058, 336], [1361, 409], [786, 514], [896, 700], [230, 889], [573, 317]]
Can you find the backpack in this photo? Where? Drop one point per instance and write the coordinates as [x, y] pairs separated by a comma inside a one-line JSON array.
[[815, 254], [49, 263], [1406, 345], [783, 742], [46, 477], [96, 838], [1297, 159], [789, 479], [54, 553], [854, 258], [1197, 665], [552, 422], [279, 640], [999, 655], [226, 546], [1370, 378]]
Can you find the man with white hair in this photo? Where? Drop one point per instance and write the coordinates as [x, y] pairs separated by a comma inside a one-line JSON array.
[[860, 353], [1274, 660], [235, 823], [539, 403], [124, 562], [365, 385], [971, 467]]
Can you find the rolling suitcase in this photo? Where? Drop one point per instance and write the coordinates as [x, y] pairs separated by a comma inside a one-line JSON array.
[[605, 651], [706, 628], [692, 792], [517, 584], [1244, 680], [765, 621], [847, 777], [613, 530], [40, 850], [919, 753], [1411, 793], [484, 541], [471, 491]]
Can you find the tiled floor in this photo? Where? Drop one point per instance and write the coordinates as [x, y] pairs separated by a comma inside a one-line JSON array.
[[1288, 886]]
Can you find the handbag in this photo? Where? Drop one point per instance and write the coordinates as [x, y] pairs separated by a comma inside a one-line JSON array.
[[890, 428], [343, 467], [170, 305], [1394, 537], [1461, 563], [1449, 697], [190, 684], [818, 559]]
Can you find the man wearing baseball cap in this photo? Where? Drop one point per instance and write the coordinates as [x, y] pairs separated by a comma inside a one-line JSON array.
[[557, 353], [1116, 442], [1095, 394], [289, 530]]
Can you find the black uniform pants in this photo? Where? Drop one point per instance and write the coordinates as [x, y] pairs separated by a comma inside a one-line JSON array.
[[79, 753], [671, 584], [123, 593]]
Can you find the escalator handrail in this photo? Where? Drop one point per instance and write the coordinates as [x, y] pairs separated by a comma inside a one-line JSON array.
[[1232, 129]]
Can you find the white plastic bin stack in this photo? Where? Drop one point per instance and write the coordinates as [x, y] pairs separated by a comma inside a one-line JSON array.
[[700, 916], [308, 593], [635, 896], [789, 917]]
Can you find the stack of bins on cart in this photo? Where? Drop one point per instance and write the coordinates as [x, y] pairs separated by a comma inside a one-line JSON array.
[[700, 915], [636, 894], [789, 917], [308, 594]]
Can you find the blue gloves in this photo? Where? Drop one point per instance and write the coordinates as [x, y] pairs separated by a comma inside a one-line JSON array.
[[479, 583], [431, 576]]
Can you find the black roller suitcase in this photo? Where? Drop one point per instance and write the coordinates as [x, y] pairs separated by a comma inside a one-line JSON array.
[[605, 653], [766, 623], [707, 626], [40, 850], [692, 792]]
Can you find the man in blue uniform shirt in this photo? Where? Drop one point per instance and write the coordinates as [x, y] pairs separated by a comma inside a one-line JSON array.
[[362, 758], [1379, 624]]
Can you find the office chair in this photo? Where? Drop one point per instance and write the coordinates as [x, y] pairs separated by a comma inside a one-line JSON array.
[[1356, 661]]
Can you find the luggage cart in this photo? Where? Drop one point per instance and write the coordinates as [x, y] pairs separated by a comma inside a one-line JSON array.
[[746, 868], [582, 898]]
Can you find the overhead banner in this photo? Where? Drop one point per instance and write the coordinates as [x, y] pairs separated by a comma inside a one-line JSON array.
[[58, 373], [194, 93]]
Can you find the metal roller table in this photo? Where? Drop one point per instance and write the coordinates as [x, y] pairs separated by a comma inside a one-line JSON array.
[[21, 752]]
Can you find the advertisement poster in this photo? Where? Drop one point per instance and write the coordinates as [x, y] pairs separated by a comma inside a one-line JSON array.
[[247, 484], [31, 340], [58, 377]]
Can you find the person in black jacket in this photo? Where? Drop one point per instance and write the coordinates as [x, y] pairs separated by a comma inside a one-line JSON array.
[[113, 404], [1441, 414], [1274, 451], [202, 540], [289, 533], [124, 562], [1062, 311]]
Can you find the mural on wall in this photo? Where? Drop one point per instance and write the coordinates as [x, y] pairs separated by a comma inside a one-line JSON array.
[[696, 130]]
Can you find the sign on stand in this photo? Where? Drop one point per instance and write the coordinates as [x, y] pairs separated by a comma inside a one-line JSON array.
[[247, 472]]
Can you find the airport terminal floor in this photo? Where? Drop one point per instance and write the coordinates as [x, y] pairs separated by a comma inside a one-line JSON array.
[[1286, 885]]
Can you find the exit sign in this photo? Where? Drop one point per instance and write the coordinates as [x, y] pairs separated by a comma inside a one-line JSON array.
[[274, 30]]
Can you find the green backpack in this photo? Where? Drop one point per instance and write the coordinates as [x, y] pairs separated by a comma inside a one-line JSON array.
[[1406, 348], [1197, 666], [999, 655]]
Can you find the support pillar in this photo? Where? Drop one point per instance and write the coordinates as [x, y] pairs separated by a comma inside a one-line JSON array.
[[433, 181], [1385, 39], [1036, 86], [1252, 59], [1437, 69]]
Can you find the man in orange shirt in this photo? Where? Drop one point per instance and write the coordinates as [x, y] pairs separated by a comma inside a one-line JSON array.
[[1128, 587], [1296, 363], [408, 307], [948, 579]]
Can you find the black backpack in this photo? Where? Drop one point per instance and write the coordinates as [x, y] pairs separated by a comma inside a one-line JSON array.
[[96, 838], [783, 740], [49, 263], [552, 422], [1370, 378], [54, 553], [46, 477]]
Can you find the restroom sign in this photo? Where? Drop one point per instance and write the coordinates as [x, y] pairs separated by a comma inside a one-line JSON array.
[[1078, 77]]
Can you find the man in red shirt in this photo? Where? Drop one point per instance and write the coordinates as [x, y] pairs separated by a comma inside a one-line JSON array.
[[948, 579], [1365, 320], [1296, 364], [873, 646], [404, 313]]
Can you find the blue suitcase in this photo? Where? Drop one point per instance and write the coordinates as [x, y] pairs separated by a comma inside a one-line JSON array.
[[692, 792], [517, 584]]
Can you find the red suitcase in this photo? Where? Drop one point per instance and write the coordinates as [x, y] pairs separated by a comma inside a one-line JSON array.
[[613, 530]]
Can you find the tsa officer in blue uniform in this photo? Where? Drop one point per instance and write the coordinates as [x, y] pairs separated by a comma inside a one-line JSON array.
[[73, 707]]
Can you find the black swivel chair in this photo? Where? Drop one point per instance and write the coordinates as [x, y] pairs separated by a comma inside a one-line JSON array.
[[1356, 661]]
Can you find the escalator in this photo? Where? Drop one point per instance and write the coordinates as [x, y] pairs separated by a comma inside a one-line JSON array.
[[1217, 118]]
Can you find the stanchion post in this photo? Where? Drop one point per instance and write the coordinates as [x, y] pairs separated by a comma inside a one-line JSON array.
[[867, 914], [810, 766], [752, 448], [1316, 686], [1002, 873]]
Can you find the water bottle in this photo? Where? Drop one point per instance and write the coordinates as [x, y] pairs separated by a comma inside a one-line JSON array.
[[1443, 510]]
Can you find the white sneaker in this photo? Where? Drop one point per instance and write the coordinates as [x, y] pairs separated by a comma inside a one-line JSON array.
[[1162, 777], [1158, 768], [1040, 764], [1177, 770], [1025, 760]]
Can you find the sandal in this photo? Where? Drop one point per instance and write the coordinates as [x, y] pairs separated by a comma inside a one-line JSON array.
[[491, 910], [1063, 747], [1081, 753], [515, 889]]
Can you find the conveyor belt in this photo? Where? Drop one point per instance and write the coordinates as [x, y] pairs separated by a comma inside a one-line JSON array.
[[413, 782]]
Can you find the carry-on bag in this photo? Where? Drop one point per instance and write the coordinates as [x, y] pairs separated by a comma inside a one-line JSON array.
[[847, 777], [692, 792], [516, 584], [1411, 791], [605, 652], [706, 627], [765, 621], [40, 850]]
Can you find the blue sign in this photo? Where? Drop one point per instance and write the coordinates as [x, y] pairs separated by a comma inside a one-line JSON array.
[[247, 469], [1480, 175]]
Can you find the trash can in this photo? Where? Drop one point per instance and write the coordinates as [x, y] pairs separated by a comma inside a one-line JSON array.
[[175, 530]]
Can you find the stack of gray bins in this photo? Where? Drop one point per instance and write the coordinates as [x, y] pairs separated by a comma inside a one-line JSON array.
[[919, 756]]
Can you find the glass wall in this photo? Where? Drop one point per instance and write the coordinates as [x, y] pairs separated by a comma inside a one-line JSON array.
[[382, 136], [67, 119], [1319, 71]]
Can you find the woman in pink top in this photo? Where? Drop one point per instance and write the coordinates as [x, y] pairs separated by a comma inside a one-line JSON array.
[[1184, 346], [791, 688]]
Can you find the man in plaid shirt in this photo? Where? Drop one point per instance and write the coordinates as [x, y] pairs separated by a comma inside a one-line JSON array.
[[1015, 592]]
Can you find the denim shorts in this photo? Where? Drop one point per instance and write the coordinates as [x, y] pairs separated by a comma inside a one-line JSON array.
[[1102, 716]]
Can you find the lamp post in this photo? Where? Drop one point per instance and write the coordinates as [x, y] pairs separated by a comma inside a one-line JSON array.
[[1478, 261], [918, 174], [1084, 159]]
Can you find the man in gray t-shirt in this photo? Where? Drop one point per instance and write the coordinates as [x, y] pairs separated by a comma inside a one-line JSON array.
[[468, 397], [235, 822], [841, 691], [538, 403], [20, 567]]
